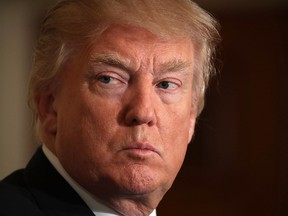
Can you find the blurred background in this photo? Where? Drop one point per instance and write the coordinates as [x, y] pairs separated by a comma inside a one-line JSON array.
[[237, 163]]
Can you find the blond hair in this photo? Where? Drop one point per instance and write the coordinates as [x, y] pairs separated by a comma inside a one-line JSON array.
[[71, 25]]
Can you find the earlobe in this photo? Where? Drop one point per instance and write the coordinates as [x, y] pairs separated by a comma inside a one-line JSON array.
[[47, 115], [191, 129], [192, 125]]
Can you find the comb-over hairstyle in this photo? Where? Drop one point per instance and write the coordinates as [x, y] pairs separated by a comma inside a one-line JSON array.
[[71, 26]]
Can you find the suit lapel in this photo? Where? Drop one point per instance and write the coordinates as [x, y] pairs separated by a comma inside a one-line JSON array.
[[51, 192]]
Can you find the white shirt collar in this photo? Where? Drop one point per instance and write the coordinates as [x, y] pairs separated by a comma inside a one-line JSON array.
[[96, 207]]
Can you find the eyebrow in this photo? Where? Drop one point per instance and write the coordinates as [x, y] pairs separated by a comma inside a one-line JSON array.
[[115, 60], [112, 60], [175, 65]]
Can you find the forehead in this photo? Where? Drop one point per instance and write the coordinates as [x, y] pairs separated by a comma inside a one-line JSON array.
[[135, 43]]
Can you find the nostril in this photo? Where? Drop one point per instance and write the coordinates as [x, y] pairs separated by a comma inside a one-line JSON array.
[[136, 117]]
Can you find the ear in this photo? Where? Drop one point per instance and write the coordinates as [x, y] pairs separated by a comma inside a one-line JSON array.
[[192, 122], [47, 115]]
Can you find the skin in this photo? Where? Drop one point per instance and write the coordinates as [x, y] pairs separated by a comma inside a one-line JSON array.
[[121, 125]]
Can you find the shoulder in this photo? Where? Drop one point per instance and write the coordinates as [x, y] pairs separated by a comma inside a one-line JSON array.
[[15, 197]]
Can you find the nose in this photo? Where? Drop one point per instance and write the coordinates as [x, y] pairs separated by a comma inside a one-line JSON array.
[[141, 107]]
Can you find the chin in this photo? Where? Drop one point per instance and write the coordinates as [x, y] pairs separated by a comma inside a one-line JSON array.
[[140, 180]]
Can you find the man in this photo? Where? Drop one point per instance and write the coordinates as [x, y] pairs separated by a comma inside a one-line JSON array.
[[116, 88]]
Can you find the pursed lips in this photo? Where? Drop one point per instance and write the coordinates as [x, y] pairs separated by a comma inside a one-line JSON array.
[[141, 147]]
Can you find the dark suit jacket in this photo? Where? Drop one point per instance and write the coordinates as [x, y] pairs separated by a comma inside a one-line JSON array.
[[39, 190]]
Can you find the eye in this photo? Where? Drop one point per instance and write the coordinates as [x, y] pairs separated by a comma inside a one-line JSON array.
[[105, 79], [167, 85], [113, 79]]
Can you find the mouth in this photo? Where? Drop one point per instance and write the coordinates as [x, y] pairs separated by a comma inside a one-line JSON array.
[[141, 149]]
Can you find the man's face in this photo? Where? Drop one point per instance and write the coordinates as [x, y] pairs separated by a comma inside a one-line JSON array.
[[124, 122]]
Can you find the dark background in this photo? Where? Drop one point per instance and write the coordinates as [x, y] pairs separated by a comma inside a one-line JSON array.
[[237, 163]]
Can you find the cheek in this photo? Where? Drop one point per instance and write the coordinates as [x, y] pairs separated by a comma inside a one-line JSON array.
[[176, 136], [81, 146], [178, 125], [178, 147]]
